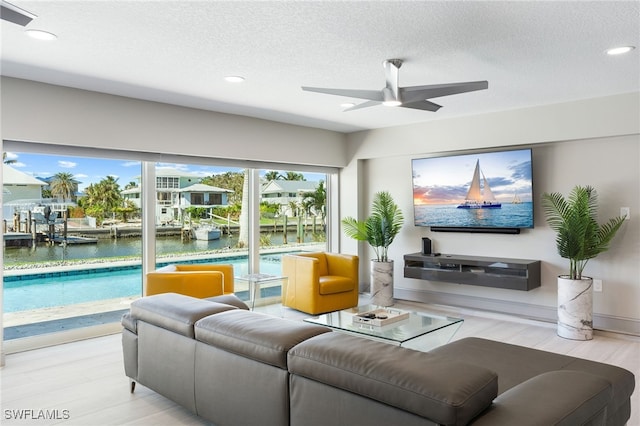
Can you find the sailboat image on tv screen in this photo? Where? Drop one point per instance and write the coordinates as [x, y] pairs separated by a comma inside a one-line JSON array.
[[479, 196]]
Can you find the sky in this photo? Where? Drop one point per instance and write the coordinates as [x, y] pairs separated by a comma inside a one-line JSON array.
[[87, 170], [444, 180]]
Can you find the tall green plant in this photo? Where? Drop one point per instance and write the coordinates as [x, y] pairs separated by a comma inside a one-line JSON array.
[[579, 236], [380, 228]]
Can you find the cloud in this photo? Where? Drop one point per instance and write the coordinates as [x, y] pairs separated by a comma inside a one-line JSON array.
[[522, 170], [131, 164], [67, 164], [181, 167]]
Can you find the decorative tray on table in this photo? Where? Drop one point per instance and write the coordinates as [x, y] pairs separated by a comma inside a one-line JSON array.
[[380, 317]]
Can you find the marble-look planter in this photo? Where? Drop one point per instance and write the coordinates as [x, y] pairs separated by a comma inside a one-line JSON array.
[[575, 308], [382, 283]]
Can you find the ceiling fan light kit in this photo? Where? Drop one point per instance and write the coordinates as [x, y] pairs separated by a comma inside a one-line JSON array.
[[620, 50], [41, 35], [415, 97]]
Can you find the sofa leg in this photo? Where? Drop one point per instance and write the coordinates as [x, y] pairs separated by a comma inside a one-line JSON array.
[[132, 385]]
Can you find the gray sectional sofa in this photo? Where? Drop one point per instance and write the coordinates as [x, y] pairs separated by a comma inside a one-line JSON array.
[[234, 367]]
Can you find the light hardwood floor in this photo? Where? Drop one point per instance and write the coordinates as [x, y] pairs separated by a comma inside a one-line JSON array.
[[86, 378]]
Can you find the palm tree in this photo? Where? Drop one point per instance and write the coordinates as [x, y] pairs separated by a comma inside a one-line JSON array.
[[294, 176], [5, 161], [243, 235], [380, 228], [317, 201], [104, 195], [229, 180], [294, 207], [63, 186], [579, 235], [110, 192], [272, 175]]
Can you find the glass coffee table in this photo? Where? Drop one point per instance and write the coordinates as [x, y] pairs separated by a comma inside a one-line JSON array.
[[417, 330], [258, 282]]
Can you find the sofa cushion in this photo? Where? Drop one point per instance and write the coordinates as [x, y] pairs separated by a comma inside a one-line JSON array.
[[175, 312], [516, 364], [332, 284], [254, 335], [438, 388], [562, 398], [229, 299]]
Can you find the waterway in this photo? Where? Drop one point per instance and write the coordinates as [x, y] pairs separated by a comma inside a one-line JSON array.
[[124, 247]]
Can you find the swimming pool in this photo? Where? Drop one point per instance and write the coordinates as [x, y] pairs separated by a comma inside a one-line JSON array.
[[79, 286]]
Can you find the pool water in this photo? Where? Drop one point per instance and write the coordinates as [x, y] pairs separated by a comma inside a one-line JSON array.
[[51, 290], [40, 293]]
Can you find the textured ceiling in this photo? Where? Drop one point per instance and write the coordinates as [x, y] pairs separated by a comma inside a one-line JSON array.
[[532, 53]]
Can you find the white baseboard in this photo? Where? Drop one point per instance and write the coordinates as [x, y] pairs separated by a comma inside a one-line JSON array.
[[525, 310], [58, 338]]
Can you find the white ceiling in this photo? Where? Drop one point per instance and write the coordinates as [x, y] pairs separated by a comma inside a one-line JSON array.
[[532, 53]]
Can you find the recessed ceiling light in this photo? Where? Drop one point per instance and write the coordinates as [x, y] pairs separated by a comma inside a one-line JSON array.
[[392, 103], [347, 105], [620, 50], [234, 79], [41, 35]]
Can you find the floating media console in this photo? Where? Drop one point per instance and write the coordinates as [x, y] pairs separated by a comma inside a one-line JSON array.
[[513, 274]]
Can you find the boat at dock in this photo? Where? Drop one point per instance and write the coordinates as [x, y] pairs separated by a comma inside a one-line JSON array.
[[72, 239], [206, 232]]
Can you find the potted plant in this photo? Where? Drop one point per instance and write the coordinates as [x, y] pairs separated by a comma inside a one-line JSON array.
[[379, 230], [579, 238]]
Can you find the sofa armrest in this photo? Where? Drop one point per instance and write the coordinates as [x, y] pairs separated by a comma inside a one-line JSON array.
[[225, 268], [191, 283], [343, 265], [302, 272], [558, 398]]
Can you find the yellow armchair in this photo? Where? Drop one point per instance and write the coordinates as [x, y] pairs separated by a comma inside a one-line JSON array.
[[196, 280], [320, 282]]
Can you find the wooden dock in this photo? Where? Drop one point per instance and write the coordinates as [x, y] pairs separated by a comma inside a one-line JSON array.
[[18, 239]]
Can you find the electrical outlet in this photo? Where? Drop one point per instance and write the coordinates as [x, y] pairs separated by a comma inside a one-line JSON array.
[[597, 285], [624, 212]]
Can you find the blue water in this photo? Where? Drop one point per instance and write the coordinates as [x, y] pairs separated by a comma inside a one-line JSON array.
[[508, 216], [108, 248], [51, 290]]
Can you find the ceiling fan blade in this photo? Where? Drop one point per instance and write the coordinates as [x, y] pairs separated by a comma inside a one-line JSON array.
[[372, 95], [423, 105], [363, 105], [415, 93]]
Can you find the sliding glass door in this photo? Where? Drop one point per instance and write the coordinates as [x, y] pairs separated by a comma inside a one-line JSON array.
[[72, 242], [74, 227]]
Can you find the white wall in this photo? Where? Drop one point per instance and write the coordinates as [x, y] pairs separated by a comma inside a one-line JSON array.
[[38, 112], [595, 142]]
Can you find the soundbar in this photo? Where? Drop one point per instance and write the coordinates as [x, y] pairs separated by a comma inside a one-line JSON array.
[[475, 230]]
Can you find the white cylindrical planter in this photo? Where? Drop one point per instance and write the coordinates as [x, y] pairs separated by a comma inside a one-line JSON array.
[[575, 308], [382, 283]]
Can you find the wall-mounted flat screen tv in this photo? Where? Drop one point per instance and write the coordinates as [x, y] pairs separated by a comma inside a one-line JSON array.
[[483, 192]]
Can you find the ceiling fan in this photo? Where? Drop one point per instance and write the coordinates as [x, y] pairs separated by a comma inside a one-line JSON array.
[[407, 97]]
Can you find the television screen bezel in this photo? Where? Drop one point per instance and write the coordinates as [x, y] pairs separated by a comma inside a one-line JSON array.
[[477, 229]]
